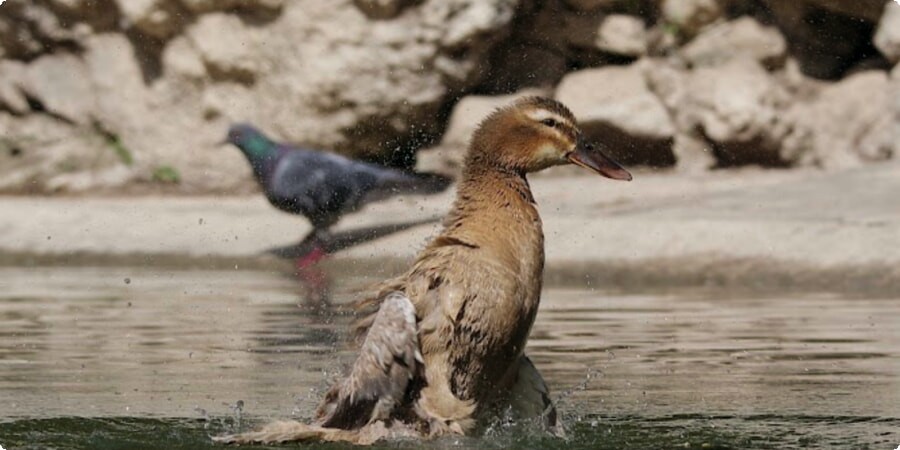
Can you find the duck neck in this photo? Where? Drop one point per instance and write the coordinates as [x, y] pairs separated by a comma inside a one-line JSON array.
[[490, 198]]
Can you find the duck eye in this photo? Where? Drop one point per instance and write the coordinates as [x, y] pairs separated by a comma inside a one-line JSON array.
[[549, 122]]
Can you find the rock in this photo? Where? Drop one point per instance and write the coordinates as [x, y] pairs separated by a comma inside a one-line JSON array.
[[622, 35], [887, 38], [615, 107], [11, 96], [115, 72], [371, 89], [849, 122], [735, 102], [157, 18], [161, 124], [106, 178], [688, 17], [733, 107], [180, 59], [741, 38], [37, 148], [227, 47], [29, 29], [616, 96], [60, 83]]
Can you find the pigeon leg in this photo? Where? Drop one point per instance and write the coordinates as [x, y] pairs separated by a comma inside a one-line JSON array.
[[313, 248]]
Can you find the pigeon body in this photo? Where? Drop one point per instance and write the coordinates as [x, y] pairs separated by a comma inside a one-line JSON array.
[[323, 186]]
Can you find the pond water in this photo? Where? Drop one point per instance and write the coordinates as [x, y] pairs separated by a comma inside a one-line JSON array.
[[94, 358]]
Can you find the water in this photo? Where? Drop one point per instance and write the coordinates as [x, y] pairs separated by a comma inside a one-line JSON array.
[[94, 358]]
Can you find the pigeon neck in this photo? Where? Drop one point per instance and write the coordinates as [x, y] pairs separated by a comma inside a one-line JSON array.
[[261, 152]]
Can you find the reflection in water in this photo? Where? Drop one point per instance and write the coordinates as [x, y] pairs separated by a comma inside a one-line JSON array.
[[665, 369]]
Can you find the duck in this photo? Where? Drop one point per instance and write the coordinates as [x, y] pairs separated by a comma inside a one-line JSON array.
[[322, 186], [443, 351]]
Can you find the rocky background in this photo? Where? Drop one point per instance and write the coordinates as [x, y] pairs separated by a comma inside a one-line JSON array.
[[135, 95]]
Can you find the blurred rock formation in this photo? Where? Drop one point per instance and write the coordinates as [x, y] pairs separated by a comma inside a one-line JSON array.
[[106, 95]]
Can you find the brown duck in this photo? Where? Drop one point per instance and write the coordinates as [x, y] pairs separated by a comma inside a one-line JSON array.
[[444, 352]]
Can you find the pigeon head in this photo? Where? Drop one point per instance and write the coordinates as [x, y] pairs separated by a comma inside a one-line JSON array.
[[250, 140]]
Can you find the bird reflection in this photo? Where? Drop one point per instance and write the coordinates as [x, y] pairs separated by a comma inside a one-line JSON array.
[[315, 248]]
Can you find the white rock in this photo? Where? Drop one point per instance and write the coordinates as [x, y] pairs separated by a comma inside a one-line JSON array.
[[853, 120], [887, 37], [623, 35], [616, 96], [735, 102], [157, 18], [37, 148], [11, 97], [690, 16], [60, 82], [225, 45], [741, 38], [115, 72], [180, 58]]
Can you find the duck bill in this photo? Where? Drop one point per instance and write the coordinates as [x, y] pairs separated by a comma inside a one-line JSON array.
[[588, 156]]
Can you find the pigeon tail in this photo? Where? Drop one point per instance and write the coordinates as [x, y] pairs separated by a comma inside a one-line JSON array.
[[418, 183]]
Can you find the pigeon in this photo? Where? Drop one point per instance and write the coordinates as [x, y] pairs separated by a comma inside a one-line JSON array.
[[323, 186]]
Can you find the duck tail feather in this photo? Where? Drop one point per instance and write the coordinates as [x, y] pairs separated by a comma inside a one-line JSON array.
[[275, 432]]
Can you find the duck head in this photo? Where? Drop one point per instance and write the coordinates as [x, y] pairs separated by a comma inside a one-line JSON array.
[[535, 133]]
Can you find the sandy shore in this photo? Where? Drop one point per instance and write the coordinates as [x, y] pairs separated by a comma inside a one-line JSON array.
[[759, 229]]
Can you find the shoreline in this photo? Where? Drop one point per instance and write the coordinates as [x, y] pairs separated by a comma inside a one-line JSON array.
[[761, 230]]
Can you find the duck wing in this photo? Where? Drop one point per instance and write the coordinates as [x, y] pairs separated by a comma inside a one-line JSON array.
[[377, 383]]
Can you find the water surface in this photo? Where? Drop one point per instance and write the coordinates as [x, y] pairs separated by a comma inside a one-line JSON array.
[[138, 358]]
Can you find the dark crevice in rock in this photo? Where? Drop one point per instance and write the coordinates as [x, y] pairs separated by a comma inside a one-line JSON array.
[[630, 149], [825, 43], [256, 17], [37, 106], [31, 31], [219, 74], [397, 150], [754, 152], [148, 53], [101, 15]]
